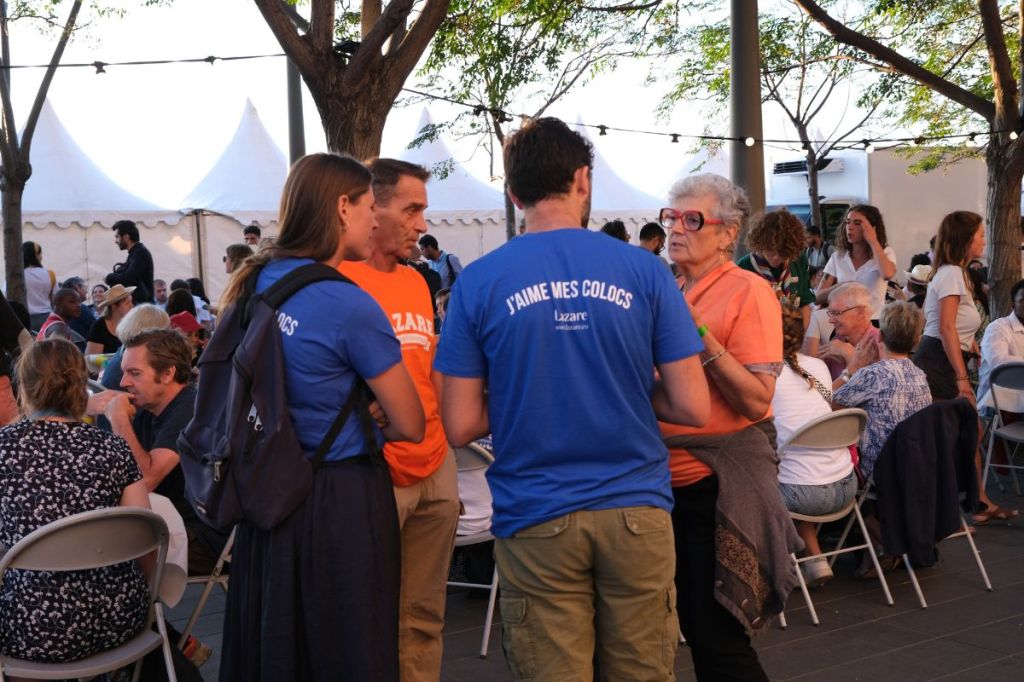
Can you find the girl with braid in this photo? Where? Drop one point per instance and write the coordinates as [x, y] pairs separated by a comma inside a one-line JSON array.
[[813, 482]]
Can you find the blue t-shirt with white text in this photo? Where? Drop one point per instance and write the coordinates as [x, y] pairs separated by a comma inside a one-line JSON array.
[[566, 328], [331, 332]]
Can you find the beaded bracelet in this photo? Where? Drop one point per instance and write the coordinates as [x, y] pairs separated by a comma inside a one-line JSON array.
[[714, 357]]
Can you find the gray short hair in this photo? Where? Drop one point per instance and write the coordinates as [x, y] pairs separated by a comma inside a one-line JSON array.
[[901, 325], [733, 205], [854, 292], [139, 319]]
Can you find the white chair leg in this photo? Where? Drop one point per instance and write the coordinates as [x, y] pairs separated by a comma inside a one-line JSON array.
[[842, 538], [873, 555], [977, 555], [988, 458], [196, 612], [782, 620], [803, 588], [913, 579], [161, 625], [490, 614], [1013, 470]]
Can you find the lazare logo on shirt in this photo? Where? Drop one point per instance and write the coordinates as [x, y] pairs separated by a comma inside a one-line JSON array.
[[412, 329], [548, 291]]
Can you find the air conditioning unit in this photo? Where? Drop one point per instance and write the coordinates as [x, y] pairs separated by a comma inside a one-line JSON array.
[[825, 165]]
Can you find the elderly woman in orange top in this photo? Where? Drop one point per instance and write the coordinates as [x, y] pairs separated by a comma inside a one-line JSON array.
[[722, 481]]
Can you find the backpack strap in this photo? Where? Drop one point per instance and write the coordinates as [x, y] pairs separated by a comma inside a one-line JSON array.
[[356, 397], [283, 289]]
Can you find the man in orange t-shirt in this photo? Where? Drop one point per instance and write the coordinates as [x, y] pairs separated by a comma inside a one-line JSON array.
[[426, 487]]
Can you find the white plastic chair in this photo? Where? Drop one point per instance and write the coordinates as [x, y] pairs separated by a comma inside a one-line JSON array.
[[839, 429], [1009, 376], [216, 579], [470, 457], [95, 539]]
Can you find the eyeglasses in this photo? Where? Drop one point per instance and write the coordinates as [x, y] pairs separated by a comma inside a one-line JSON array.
[[833, 314], [693, 221]]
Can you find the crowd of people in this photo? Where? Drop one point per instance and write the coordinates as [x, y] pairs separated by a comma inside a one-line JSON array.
[[636, 406]]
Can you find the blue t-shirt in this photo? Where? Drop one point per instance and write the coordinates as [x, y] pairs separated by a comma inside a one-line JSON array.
[[331, 332], [566, 327]]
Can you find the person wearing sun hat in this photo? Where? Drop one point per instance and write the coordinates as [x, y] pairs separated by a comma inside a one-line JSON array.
[[917, 283], [113, 308]]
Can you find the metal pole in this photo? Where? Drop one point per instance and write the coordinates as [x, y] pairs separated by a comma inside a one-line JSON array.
[[296, 125], [747, 162]]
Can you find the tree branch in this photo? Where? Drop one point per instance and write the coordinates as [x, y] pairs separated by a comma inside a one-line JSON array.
[[284, 29], [44, 86], [1003, 81], [418, 38], [368, 57], [9, 140], [369, 16], [902, 65], [321, 25], [300, 21]]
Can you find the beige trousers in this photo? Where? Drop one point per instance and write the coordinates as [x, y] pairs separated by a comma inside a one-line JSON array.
[[591, 584], [428, 512]]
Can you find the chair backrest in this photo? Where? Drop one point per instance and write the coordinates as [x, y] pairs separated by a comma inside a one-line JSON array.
[[1007, 376], [839, 429], [92, 539], [472, 456]]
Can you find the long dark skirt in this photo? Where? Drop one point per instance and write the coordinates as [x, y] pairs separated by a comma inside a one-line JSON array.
[[931, 358], [317, 597]]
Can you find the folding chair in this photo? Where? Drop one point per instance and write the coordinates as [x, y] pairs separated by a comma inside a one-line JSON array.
[[469, 458], [839, 429], [94, 539], [216, 579], [1008, 377], [964, 531]]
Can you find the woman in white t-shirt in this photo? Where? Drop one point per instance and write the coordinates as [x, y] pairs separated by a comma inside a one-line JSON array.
[[951, 318], [862, 255], [39, 284], [813, 482]]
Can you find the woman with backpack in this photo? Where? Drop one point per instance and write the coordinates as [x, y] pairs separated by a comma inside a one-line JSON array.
[[316, 597]]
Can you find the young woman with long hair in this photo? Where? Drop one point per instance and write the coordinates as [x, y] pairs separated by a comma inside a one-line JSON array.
[[862, 255], [317, 596]]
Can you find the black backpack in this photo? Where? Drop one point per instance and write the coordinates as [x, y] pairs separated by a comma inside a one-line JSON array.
[[239, 453]]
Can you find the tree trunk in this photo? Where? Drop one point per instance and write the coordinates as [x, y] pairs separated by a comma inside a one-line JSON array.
[[510, 215], [1005, 167], [812, 192], [354, 122], [13, 189]]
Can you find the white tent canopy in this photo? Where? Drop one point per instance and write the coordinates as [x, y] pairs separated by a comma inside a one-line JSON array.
[[244, 186], [615, 198], [246, 181], [466, 215], [70, 204]]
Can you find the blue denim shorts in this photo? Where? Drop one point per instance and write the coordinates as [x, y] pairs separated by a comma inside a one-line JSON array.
[[818, 500]]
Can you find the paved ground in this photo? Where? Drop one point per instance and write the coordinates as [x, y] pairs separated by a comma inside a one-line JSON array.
[[966, 633]]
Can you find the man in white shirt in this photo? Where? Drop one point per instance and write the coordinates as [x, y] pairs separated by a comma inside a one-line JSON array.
[[1003, 342]]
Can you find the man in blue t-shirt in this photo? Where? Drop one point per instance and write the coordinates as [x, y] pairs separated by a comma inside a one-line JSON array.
[[551, 344]]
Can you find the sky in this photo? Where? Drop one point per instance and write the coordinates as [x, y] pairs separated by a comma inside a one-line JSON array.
[[157, 130]]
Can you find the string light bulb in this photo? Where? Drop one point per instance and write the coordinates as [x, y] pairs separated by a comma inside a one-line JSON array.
[[749, 141], [972, 140], [869, 146], [675, 138], [602, 130], [1013, 135]]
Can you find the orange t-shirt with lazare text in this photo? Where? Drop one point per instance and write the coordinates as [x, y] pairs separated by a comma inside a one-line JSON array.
[[404, 296], [740, 309]]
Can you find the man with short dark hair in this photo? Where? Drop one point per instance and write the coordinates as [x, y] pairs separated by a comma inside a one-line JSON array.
[[251, 235], [426, 487], [82, 324], [652, 238], [818, 250], [157, 406], [550, 343], [137, 270], [66, 308], [616, 229], [446, 265]]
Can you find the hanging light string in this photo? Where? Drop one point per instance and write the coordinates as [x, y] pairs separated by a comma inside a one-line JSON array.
[[869, 145]]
